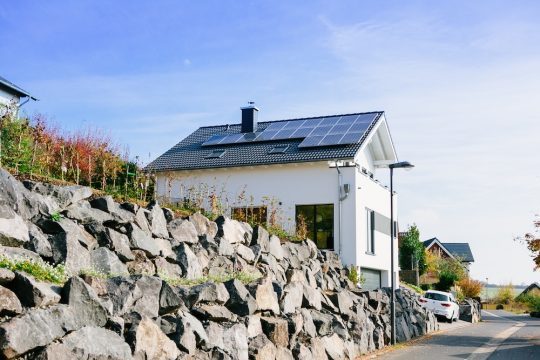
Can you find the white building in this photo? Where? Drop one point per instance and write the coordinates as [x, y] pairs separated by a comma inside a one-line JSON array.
[[322, 169], [11, 95]]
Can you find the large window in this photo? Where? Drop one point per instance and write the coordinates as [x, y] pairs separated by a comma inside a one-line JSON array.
[[370, 228], [254, 215], [319, 223]]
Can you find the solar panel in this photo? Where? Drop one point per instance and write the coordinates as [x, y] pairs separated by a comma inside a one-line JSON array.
[[327, 131]]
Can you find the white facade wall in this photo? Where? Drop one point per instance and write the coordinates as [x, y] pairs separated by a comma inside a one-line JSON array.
[[298, 184], [374, 196], [7, 97]]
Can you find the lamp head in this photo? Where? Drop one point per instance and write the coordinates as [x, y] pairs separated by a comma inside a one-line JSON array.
[[401, 165]]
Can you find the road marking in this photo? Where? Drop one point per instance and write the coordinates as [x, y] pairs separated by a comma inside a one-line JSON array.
[[489, 348]]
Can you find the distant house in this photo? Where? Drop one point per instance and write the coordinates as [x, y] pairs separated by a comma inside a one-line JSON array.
[[320, 171], [459, 251], [533, 289], [12, 94]]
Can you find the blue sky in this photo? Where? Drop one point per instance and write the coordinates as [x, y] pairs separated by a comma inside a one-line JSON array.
[[459, 81]]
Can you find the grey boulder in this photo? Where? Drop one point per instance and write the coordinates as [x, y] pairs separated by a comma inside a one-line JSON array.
[[88, 343], [32, 292], [183, 231], [9, 303], [106, 261]]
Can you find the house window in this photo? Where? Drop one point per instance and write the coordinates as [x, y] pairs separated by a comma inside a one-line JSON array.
[[370, 236], [319, 223], [254, 215]]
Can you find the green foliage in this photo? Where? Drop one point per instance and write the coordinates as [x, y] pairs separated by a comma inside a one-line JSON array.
[[446, 281], [55, 216], [412, 251], [505, 294], [356, 276], [38, 269], [278, 231], [426, 287], [450, 271], [532, 301], [16, 144], [417, 289]]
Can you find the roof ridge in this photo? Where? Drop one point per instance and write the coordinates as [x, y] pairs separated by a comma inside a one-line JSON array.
[[295, 119]]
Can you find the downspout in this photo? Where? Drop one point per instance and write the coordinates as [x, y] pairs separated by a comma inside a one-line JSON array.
[[24, 102], [341, 197]]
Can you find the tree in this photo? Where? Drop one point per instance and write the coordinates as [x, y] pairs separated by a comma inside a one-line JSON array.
[[412, 251], [450, 271], [532, 240]]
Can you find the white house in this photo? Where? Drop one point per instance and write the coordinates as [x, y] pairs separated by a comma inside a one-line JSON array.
[[11, 94], [320, 171]]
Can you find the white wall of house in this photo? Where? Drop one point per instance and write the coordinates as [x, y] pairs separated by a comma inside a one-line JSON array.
[[7, 97], [291, 185], [371, 194]]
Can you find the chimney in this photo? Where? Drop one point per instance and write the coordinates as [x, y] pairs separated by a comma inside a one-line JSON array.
[[249, 118]]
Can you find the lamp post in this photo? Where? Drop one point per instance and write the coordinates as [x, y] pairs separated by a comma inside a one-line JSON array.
[[399, 165]]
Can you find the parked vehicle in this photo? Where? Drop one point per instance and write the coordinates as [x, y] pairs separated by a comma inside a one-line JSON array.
[[443, 304]]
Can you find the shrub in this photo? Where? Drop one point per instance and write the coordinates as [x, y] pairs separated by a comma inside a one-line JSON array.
[[426, 287], [532, 301], [505, 294], [470, 288], [35, 148], [356, 276], [447, 279], [499, 307]]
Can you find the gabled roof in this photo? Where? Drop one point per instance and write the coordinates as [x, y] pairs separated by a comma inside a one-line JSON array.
[[461, 251], [11, 87], [529, 288], [189, 153]]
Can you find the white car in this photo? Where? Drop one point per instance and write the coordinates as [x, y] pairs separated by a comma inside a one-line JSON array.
[[443, 304]]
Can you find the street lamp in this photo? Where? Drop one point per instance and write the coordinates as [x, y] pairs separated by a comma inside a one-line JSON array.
[[400, 165]]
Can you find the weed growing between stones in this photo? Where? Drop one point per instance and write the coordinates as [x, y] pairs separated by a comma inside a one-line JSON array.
[[242, 276], [38, 269], [55, 216]]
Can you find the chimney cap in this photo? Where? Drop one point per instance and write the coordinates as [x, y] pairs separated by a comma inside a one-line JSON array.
[[250, 105]]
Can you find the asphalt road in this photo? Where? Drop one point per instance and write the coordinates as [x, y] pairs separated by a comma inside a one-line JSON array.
[[502, 335]]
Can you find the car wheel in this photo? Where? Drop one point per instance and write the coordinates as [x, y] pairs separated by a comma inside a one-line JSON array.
[[451, 318]]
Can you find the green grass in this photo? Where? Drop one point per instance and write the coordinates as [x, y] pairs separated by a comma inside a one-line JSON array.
[[243, 276], [40, 270], [413, 287]]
